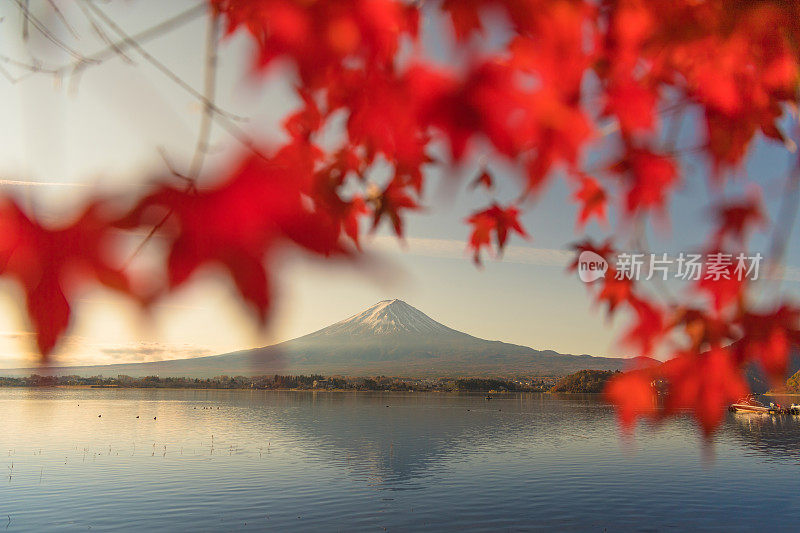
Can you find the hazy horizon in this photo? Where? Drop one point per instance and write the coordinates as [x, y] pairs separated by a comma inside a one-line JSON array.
[[343, 323]]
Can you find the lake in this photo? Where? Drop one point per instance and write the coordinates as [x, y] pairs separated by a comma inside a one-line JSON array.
[[205, 460]]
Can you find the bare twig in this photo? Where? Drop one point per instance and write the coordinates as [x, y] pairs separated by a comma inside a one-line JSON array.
[[36, 66], [103, 35], [25, 32], [7, 75], [23, 6], [154, 31], [153, 61], [221, 117], [62, 18], [209, 92]]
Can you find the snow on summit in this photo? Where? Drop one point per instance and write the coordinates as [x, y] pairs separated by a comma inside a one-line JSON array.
[[386, 318]]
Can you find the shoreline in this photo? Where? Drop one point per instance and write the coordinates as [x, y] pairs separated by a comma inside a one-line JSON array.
[[416, 391]]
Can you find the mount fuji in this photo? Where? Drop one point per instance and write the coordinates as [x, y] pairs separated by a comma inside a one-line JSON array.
[[389, 338]]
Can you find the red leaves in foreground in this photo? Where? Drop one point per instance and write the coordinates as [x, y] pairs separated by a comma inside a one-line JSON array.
[[768, 337], [634, 396], [498, 220], [51, 264], [258, 207], [484, 180], [320, 35], [649, 177], [390, 203], [703, 383], [736, 219], [711, 346], [592, 199]]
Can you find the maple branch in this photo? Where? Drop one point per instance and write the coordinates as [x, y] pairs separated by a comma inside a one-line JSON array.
[[30, 18], [220, 114], [34, 67], [209, 91], [7, 75], [221, 117], [103, 35], [206, 122], [62, 18], [114, 49], [25, 23]]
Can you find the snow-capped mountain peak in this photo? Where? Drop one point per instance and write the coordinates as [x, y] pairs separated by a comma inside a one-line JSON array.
[[387, 317]]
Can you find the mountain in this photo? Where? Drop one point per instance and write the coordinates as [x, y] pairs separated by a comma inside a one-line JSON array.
[[389, 338]]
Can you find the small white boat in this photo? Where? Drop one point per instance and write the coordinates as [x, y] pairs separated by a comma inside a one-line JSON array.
[[750, 405]]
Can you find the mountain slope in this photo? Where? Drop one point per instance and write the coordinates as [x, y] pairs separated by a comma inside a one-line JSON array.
[[389, 317], [390, 338]]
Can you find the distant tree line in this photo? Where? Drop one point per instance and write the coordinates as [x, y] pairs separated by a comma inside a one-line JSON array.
[[300, 382], [585, 381], [486, 385]]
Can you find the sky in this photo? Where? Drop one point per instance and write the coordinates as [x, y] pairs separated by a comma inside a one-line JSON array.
[[112, 127]]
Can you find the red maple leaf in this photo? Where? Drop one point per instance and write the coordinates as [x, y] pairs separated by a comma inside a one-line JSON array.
[[235, 224], [633, 395], [633, 104], [738, 218], [650, 178], [604, 250], [649, 325], [703, 383], [391, 202], [484, 179], [51, 264], [615, 290], [305, 121], [702, 328], [319, 36], [382, 119], [465, 16], [593, 200], [488, 100], [767, 338], [498, 220], [721, 280]]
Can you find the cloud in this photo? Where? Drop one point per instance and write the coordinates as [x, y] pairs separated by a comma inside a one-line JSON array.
[[151, 351], [456, 249], [24, 183], [525, 255], [16, 334]]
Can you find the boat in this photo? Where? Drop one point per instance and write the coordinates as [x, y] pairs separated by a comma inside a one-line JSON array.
[[750, 405]]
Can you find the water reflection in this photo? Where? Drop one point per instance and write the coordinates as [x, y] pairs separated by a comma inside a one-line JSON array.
[[362, 461], [776, 436], [399, 437]]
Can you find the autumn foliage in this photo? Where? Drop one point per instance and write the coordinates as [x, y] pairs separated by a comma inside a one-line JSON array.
[[571, 76]]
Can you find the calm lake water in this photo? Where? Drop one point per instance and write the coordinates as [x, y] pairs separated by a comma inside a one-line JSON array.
[[255, 460]]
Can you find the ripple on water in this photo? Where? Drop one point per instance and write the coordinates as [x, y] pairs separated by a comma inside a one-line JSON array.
[[220, 459]]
